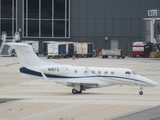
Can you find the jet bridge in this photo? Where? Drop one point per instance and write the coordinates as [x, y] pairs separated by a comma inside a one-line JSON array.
[[152, 28], [7, 50]]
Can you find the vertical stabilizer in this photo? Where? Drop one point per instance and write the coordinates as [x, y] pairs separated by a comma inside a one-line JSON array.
[[26, 55]]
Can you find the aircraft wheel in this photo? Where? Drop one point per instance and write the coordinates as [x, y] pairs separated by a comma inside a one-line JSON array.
[[140, 92], [74, 91], [79, 91]]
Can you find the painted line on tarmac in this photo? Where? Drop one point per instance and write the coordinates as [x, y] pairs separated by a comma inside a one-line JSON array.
[[12, 101], [57, 109], [9, 64], [134, 112]]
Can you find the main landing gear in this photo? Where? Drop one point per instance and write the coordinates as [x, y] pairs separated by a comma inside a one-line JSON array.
[[141, 92], [74, 91]]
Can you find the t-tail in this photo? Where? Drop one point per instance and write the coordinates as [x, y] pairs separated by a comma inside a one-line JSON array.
[[26, 55]]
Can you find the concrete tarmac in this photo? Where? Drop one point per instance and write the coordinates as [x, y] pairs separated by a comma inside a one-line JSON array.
[[37, 99], [145, 114]]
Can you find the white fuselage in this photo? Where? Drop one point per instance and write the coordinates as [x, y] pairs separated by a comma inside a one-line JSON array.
[[100, 75], [78, 77]]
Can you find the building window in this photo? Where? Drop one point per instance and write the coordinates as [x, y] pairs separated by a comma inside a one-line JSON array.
[[46, 9], [52, 17], [46, 28], [59, 28], [33, 28], [59, 7], [33, 9], [8, 16]]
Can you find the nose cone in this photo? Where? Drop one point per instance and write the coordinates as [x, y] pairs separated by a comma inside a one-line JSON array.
[[154, 83], [151, 82], [148, 82]]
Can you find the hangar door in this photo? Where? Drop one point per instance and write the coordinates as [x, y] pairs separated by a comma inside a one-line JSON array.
[[114, 44]]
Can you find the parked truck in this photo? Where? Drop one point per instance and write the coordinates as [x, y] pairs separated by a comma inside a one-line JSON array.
[[57, 50], [45, 46], [84, 49], [138, 49], [118, 53], [69, 47], [35, 45]]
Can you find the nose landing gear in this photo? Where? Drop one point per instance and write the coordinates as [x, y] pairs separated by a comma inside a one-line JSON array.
[[74, 91], [141, 92]]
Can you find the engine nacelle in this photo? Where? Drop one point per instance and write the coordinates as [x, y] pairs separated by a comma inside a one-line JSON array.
[[55, 70]]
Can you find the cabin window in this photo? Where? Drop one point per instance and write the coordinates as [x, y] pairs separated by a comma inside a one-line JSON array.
[[86, 72], [112, 73], [75, 71], [99, 72], [105, 72], [128, 72], [93, 72]]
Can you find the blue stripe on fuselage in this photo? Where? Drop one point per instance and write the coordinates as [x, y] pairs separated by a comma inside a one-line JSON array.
[[35, 73], [30, 72]]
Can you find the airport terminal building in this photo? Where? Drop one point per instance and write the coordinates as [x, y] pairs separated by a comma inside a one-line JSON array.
[[107, 23]]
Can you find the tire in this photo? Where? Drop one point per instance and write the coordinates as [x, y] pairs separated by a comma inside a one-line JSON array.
[[79, 92], [74, 91], [140, 92], [13, 55]]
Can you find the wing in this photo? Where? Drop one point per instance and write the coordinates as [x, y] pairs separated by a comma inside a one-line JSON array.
[[86, 83], [76, 80]]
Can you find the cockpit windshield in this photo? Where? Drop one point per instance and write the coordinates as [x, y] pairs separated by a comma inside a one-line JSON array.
[[131, 73], [128, 72], [134, 73]]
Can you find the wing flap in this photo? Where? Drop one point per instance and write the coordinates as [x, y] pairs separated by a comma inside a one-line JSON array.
[[90, 81]]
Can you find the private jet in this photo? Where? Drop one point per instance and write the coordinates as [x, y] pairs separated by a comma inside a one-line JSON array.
[[80, 78]]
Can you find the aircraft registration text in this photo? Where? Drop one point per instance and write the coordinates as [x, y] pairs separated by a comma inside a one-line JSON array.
[[53, 69]]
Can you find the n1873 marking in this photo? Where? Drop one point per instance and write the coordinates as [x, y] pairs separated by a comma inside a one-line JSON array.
[[53, 69]]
